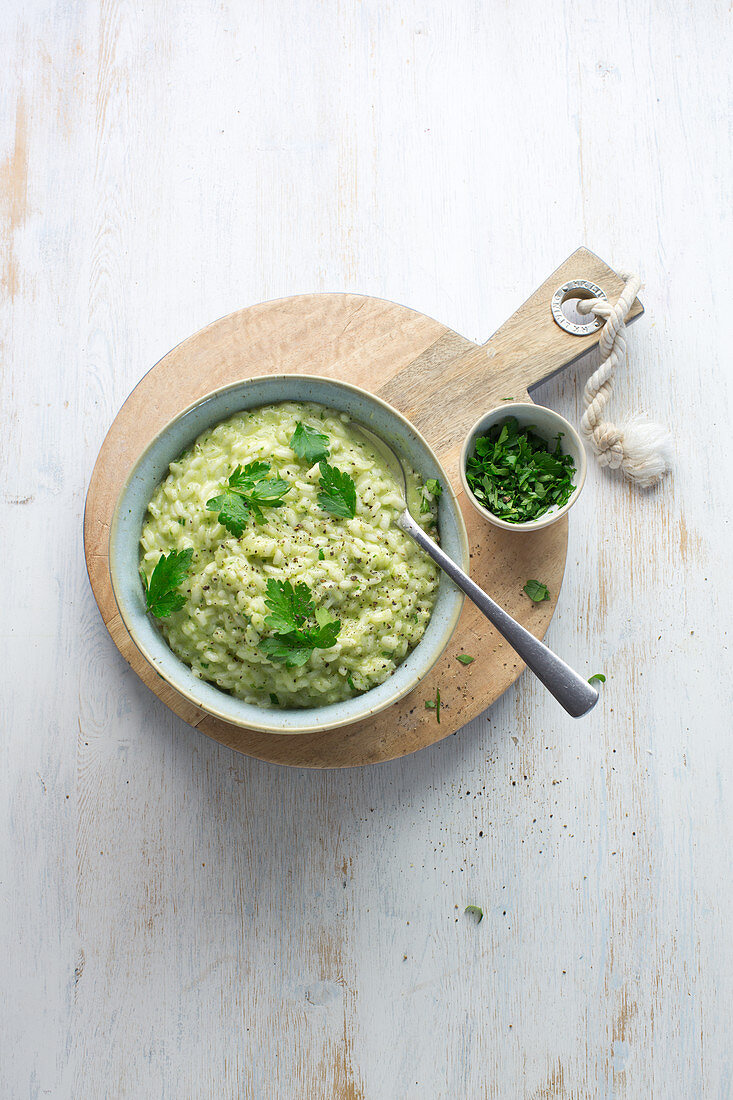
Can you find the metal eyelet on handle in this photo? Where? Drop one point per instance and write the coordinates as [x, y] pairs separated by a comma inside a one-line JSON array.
[[570, 290]]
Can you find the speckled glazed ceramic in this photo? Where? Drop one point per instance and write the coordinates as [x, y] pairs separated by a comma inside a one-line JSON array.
[[151, 468]]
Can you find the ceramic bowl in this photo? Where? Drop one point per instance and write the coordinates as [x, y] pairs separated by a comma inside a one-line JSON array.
[[546, 423], [151, 468]]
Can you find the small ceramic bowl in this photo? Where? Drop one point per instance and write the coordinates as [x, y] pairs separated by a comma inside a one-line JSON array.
[[152, 466], [547, 424]]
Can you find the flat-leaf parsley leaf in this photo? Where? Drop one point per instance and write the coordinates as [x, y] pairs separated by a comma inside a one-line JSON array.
[[245, 477], [295, 638], [337, 492], [290, 650], [289, 607], [597, 678], [233, 511], [537, 591], [309, 444], [247, 491], [161, 595]]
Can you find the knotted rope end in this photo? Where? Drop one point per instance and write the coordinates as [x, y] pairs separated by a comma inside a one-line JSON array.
[[647, 451]]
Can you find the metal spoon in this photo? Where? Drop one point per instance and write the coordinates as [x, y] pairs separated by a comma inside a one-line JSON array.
[[573, 693]]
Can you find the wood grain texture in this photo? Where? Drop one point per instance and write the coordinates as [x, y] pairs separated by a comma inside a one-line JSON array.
[[393, 352], [179, 920]]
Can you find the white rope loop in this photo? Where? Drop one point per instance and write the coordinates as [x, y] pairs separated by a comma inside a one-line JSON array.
[[642, 450]]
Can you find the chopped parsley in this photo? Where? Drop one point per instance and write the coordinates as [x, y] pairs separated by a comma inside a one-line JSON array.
[[465, 659], [337, 492], [516, 475], [476, 912], [350, 682], [246, 492], [597, 678], [432, 490], [309, 444], [291, 613], [321, 556], [537, 591], [161, 595], [274, 699]]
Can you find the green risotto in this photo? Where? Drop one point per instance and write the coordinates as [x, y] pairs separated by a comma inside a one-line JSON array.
[[296, 587]]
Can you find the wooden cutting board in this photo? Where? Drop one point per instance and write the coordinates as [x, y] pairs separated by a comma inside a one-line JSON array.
[[443, 383]]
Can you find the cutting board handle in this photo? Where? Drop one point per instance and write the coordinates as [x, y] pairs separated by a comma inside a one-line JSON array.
[[455, 389], [451, 389], [530, 347]]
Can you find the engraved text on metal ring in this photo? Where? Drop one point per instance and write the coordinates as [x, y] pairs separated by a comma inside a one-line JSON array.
[[577, 288]]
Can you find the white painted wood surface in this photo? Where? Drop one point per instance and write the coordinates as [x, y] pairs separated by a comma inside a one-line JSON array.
[[178, 921]]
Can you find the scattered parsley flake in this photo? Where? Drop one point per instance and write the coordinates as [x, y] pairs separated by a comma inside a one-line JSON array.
[[161, 595], [274, 699], [432, 490], [434, 704], [476, 912], [309, 444], [321, 556], [537, 591], [337, 492], [597, 677], [350, 682], [465, 659]]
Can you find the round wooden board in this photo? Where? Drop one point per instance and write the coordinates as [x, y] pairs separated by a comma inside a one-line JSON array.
[[442, 382]]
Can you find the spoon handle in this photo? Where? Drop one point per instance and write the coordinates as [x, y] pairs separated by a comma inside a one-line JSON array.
[[573, 693]]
